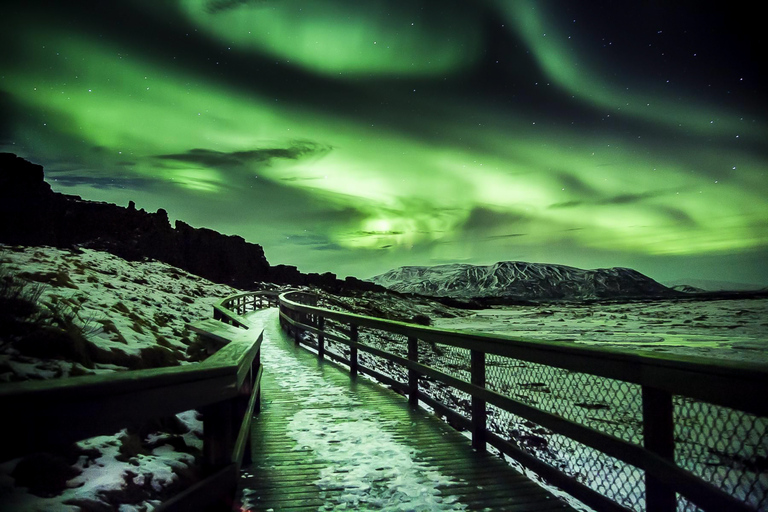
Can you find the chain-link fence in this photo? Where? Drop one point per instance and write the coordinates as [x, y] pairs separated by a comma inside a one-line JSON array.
[[603, 412]]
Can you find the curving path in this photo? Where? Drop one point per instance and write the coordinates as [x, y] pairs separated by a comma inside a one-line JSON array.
[[325, 442]]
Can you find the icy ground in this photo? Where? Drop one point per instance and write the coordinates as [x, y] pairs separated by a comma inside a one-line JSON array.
[[131, 311], [724, 329], [379, 472], [735, 330]]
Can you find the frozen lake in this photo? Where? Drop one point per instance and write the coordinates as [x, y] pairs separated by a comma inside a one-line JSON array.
[[733, 329]]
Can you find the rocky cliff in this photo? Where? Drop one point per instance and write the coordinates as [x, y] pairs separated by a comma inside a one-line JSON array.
[[31, 213]]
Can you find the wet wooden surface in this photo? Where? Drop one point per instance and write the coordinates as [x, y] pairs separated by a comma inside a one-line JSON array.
[[284, 476]]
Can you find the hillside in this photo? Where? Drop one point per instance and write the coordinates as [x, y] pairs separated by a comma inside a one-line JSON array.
[[128, 314], [77, 312], [31, 213], [521, 281]]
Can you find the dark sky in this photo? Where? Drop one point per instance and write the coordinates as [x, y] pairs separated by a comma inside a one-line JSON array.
[[355, 137]]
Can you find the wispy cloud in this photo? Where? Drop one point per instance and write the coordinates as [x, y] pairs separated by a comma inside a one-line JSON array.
[[211, 158]]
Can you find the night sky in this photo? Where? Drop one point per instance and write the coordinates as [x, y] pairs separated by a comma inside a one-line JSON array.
[[357, 136]]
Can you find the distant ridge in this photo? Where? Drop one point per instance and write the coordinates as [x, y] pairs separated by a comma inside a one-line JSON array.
[[709, 285], [523, 281]]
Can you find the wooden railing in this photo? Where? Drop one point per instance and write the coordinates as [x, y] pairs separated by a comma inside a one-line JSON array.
[[230, 309], [662, 389], [46, 415]]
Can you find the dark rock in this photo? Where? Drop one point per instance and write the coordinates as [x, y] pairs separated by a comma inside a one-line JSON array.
[[32, 214]]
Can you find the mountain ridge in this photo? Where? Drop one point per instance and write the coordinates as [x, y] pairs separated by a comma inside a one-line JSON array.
[[521, 280]]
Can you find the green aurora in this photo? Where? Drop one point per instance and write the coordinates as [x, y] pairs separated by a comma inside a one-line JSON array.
[[354, 137]]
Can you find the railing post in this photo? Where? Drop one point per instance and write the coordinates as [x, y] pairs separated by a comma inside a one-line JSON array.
[[658, 437], [321, 337], [240, 407], [298, 317], [479, 414], [413, 375], [255, 367], [218, 435], [353, 337]]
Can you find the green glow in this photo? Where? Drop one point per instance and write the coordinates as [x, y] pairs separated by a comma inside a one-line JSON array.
[[346, 38], [587, 82], [502, 189]]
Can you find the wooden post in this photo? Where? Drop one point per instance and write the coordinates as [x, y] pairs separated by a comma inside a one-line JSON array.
[[240, 408], [413, 375], [218, 435], [297, 317], [658, 437], [321, 337], [255, 367], [479, 414], [353, 337]]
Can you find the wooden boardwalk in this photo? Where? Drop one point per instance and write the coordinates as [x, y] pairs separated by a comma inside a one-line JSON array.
[[291, 472]]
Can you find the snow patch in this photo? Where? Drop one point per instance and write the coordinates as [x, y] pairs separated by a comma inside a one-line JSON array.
[[366, 467]]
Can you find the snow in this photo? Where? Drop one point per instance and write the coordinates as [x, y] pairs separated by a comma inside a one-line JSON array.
[[366, 461], [101, 474], [375, 470], [148, 301], [124, 307], [723, 329], [520, 280], [719, 329]]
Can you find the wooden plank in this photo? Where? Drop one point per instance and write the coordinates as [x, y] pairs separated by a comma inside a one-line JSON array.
[[283, 478], [217, 331]]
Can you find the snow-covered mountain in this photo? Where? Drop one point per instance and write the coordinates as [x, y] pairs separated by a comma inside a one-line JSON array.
[[521, 280]]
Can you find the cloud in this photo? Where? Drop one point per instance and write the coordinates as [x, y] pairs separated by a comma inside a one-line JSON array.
[[489, 222], [576, 185], [210, 158], [619, 199], [103, 182], [678, 216], [315, 242], [217, 6], [628, 198]]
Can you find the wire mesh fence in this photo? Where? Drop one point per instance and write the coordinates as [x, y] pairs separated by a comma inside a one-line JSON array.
[[725, 447], [722, 446]]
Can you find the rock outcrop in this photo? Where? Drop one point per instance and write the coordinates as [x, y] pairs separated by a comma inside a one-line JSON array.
[[31, 213]]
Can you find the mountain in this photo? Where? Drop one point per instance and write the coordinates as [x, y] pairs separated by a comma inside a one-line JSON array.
[[708, 285], [522, 281]]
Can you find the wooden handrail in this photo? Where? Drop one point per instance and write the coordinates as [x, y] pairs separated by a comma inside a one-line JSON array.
[[45, 415], [686, 375], [728, 384], [230, 309]]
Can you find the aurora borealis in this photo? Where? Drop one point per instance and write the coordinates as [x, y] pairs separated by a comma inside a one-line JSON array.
[[354, 137]]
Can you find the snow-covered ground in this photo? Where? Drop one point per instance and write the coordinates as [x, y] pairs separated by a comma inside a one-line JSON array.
[[133, 315], [722, 329]]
